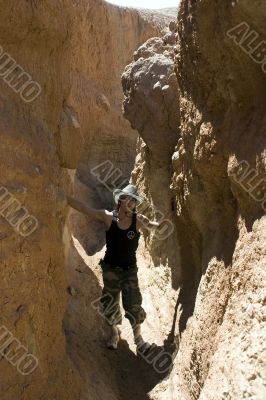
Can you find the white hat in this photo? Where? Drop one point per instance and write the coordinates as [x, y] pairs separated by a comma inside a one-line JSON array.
[[129, 190]]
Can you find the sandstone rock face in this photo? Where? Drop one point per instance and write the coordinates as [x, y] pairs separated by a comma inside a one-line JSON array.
[[221, 108], [151, 104], [150, 85], [74, 52], [195, 92], [218, 184]]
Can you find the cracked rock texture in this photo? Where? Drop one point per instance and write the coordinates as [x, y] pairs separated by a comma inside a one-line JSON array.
[[222, 353], [194, 144], [76, 51], [150, 85], [214, 134]]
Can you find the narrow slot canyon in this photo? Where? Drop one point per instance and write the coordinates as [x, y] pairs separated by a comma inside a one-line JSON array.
[[173, 102]]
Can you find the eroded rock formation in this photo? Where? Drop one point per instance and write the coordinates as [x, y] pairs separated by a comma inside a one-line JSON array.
[[222, 119], [151, 104], [218, 185], [196, 95], [75, 52]]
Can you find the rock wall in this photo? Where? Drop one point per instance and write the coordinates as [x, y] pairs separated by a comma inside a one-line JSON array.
[[74, 52], [201, 153], [218, 184], [150, 85], [222, 120]]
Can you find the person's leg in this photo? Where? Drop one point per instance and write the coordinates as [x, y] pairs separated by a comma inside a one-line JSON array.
[[141, 344], [132, 300], [110, 305], [114, 336]]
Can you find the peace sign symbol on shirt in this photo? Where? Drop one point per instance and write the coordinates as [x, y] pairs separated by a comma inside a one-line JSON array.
[[131, 234]]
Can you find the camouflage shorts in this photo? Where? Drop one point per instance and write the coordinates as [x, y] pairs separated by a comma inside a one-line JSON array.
[[116, 281]]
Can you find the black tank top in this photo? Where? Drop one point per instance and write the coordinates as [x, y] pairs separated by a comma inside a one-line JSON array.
[[121, 244]]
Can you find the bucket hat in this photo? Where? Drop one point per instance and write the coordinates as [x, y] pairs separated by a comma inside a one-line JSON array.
[[129, 190]]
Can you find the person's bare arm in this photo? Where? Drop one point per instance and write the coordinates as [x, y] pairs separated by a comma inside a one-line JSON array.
[[145, 224], [83, 208]]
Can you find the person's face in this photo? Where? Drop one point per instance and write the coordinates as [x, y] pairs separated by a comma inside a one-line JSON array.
[[127, 203]]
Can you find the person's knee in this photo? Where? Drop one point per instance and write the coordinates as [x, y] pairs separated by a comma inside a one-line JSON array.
[[131, 295], [131, 286], [135, 314]]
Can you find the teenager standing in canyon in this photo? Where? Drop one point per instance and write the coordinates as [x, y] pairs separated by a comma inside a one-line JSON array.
[[119, 265]]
